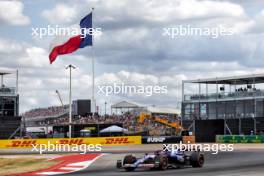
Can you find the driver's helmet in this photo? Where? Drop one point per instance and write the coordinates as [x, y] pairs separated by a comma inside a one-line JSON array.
[[157, 152]]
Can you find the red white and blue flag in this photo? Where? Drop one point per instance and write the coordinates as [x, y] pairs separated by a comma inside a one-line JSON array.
[[75, 42]]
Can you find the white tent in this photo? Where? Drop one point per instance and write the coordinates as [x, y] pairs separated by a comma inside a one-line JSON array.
[[35, 129], [113, 129], [161, 110], [125, 104], [85, 130]]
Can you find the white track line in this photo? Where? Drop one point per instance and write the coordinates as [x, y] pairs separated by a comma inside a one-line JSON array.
[[70, 167], [51, 173]]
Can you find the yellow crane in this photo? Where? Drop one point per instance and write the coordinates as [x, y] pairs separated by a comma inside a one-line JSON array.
[[165, 122]]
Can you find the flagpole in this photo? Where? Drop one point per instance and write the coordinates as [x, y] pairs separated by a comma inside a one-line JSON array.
[[93, 98], [70, 100]]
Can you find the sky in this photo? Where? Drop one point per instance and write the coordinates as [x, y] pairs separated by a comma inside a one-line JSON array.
[[132, 48]]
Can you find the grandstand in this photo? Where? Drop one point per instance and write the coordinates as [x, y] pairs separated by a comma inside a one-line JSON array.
[[56, 119], [37, 116], [237, 100], [9, 107]]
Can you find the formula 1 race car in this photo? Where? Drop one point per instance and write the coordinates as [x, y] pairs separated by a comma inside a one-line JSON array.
[[161, 160]]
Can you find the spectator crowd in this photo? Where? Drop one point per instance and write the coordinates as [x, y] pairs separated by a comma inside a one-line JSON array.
[[46, 112], [128, 119]]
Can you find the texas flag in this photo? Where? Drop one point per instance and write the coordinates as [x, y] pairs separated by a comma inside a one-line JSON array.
[[73, 43]]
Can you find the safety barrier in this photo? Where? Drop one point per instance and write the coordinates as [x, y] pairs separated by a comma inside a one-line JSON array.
[[108, 141], [167, 139], [161, 139], [240, 138]]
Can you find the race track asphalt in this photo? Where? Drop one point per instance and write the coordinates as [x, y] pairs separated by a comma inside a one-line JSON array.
[[236, 163]]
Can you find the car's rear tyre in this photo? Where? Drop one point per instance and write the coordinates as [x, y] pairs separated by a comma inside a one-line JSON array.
[[119, 164], [163, 162], [197, 159], [129, 159]]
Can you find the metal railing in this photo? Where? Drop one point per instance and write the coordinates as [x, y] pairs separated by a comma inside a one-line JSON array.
[[7, 91], [224, 95]]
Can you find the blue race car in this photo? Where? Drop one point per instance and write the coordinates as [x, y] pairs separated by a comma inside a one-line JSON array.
[[162, 160]]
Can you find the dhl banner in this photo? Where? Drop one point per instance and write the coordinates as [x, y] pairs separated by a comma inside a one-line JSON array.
[[104, 141]]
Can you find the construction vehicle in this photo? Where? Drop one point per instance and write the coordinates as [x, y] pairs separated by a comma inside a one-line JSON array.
[[176, 125]]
